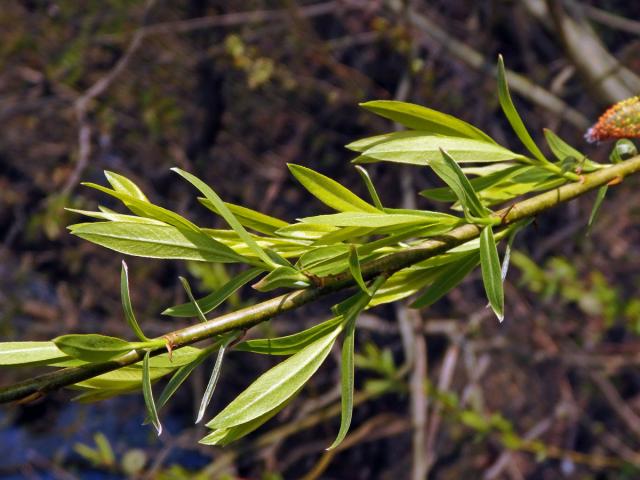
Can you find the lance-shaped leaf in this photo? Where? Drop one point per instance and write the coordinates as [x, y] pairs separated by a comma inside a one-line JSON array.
[[325, 260], [421, 148], [290, 344], [147, 393], [445, 194], [224, 436], [276, 386], [178, 378], [561, 149], [187, 288], [282, 277], [128, 378], [491, 272], [330, 192], [180, 375], [18, 354], [126, 303], [354, 268], [346, 234], [124, 185], [106, 214], [215, 375], [225, 213], [249, 218], [156, 241], [369, 220], [352, 308], [512, 114], [363, 144], [214, 299], [449, 171], [370, 187], [93, 347], [147, 209], [449, 276], [347, 375], [305, 231], [510, 239], [602, 192], [418, 117]]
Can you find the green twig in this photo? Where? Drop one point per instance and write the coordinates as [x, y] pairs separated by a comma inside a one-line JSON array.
[[248, 317]]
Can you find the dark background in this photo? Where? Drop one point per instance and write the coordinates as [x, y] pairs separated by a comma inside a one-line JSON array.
[[233, 98]]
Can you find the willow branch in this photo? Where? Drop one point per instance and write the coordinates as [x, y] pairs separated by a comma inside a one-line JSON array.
[[250, 316]]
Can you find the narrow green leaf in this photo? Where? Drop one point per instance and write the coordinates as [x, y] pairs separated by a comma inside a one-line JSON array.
[[147, 209], [491, 272], [367, 220], [156, 241], [225, 213], [277, 385], [92, 347], [214, 299], [194, 304], [363, 144], [354, 305], [126, 303], [98, 395], [602, 192], [402, 284], [420, 148], [116, 217], [370, 187], [215, 375], [325, 260], [124, 185], [305, 231], [126, 378], [147, 393], [449, 171], [17, 354], [282, 277], [249, 218], [178, 358], [179, 377], [224, 436], [330, 192], [346, 382], [398, 235], [445, 194], [290, 344], [510, 239], [354, 268], [418, 117], [350, 310], [448, 277], [561, 149], [512, 115], [346, 234]]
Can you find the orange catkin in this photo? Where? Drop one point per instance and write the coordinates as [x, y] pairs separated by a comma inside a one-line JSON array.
[[620, 121]]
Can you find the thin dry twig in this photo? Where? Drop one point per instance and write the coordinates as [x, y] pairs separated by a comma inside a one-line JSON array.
[[619, 406]]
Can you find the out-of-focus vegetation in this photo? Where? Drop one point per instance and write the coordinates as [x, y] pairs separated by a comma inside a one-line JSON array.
[[139, 87]]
